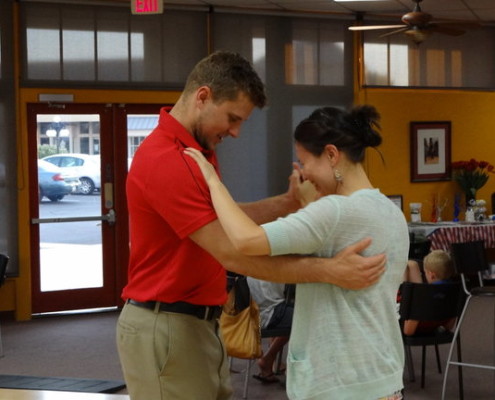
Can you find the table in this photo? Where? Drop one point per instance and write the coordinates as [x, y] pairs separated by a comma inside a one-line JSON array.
[[441, 234]]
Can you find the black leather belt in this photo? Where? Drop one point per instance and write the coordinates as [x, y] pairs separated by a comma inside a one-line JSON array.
[[181, 307]]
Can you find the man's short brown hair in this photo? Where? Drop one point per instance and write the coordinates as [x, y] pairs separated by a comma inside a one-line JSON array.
[[227, 74]]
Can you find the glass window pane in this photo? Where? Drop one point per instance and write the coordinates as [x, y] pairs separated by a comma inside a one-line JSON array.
[[146, 43], [84, 145], [112, 46], [84, 128], [316, 54], [77, 241], [95, 127], [158, 54], [399, 61], [332, 70], [78, 38], [181, 51], [376, 63], [304, 55], [259, 53], [251, 44], [43, 43], [80, 242], [138, 127]]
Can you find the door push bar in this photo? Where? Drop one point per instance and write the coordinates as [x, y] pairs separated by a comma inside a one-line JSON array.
[[109, 217]]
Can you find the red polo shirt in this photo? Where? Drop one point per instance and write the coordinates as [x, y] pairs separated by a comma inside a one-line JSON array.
[[168, 199]]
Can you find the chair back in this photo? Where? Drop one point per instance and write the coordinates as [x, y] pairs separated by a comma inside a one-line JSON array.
[[418, 250], [4, 260], [469, 258], [430, 302]]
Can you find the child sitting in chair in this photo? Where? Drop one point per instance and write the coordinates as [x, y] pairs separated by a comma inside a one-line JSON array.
[[438, 269]]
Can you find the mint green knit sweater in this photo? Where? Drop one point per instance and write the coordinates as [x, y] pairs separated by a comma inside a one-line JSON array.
[[345, 344]]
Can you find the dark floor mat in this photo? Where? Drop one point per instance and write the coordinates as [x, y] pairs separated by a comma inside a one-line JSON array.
[[60, 384]]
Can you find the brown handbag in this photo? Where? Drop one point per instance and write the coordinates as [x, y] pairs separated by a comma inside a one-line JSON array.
[[240, 323]]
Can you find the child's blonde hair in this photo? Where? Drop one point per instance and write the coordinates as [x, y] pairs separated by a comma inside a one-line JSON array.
[[439, 262]]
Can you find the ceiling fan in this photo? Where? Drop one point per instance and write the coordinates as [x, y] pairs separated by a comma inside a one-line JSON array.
[[419, 25]]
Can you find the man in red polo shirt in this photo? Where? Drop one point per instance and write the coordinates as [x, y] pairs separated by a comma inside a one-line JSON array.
[[167, 334]]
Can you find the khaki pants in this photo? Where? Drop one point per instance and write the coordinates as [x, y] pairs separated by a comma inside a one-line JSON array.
[[167, 356]]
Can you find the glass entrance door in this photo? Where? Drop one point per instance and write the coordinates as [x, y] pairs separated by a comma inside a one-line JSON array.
[[72, 210], [69, 195]]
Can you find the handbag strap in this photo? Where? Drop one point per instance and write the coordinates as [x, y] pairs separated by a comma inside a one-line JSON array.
[[239, 294]]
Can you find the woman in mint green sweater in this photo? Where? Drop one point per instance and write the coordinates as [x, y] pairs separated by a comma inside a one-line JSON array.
[[344, 344]]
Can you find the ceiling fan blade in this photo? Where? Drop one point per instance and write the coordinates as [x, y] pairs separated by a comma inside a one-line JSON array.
[[403, 29], [374, 27]]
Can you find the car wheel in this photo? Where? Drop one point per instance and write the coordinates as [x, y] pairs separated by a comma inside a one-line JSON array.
[[55, 198], [87, 186]]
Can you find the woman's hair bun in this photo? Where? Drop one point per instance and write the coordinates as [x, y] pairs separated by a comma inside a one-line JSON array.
[[367, 121]]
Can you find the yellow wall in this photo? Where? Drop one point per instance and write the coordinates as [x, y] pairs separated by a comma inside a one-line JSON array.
[[472, 115]]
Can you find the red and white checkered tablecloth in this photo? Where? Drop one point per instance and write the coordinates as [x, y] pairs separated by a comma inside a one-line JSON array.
[[444, 235]]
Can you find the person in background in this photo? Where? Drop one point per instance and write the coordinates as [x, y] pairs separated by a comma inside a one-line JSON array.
[[344, 344], [438, 269], [168, 335], [275, 312]]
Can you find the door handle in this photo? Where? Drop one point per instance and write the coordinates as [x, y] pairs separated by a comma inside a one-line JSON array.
[[109, 217]]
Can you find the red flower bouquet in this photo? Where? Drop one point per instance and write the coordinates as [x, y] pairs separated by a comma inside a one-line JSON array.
[[471, 176]]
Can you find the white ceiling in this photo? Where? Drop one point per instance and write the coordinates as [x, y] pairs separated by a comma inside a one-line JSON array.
[[473, 10]]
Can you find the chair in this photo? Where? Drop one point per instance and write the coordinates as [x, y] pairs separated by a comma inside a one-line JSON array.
[[4, 260], [418, 249], [428, 302], [469, 261]]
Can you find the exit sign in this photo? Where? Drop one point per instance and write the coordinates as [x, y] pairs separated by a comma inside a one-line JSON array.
[[147, 6]]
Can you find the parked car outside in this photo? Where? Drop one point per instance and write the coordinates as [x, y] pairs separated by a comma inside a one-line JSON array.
[[53, 183], [86, 167]]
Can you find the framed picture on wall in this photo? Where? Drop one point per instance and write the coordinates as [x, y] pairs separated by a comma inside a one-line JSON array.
[[430, 151]]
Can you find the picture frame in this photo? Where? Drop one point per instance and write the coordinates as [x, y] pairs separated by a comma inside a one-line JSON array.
[[396, 199], [430, 151]]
